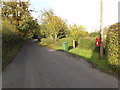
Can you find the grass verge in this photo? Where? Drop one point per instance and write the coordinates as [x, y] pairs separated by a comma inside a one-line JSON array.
[[90, 56], [9, 53]]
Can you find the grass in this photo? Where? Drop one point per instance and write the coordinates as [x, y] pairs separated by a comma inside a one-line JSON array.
[[9, 53], [92, 57]]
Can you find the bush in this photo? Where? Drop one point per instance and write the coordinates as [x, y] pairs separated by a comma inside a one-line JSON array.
[[11, 42], [86, 43], [47, 41], [94, 34], [10, 36], [60, 41], [113, 45]]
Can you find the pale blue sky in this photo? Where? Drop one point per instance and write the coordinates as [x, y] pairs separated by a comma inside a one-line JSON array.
[[40, 4], [80, 12]]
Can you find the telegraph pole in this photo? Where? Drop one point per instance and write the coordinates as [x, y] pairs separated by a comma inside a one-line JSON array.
[[101, 28]]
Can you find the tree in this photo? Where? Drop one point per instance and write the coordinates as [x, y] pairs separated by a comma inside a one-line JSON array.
[[94, 34], [28, 25], [53, 26], [14, 11], [76, 32], [17, 13]]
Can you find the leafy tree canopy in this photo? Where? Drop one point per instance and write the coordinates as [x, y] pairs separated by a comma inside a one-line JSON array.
[[52, 25], [77, 32]]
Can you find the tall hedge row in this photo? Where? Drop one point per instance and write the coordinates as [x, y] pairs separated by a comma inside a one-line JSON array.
[[10, 36], [113, 45], [47, 41], [60, 41], [86, 43]]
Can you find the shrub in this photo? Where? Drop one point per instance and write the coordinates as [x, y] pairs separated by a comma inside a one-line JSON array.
[[86, 43], [94, 34], [47, 41], [11, 42], [113, 45], [10, 35], [60, 41]]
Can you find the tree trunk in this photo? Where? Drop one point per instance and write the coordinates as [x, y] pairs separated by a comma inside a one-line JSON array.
[[55, 37], [74, 44]]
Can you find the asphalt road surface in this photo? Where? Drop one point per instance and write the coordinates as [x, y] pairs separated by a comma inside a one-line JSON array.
[[39, 67]]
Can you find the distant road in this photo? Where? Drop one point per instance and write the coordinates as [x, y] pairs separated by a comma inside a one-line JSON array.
[[39, 67]]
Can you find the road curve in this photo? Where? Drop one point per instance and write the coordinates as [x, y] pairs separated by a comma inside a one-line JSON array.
[[39, 67]]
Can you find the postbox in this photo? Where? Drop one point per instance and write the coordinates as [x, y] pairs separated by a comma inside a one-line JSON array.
[[98, 42]]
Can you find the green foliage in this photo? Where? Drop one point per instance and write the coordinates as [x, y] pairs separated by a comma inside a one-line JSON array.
[[77, 32], [94, 34], [10, 35], [47, 41], [113, 45], [17, 25], [17, 14], [41, 31], [105, 30], [11, 41], [52, 25], [28, 25], [14, 11], [86, 43], [60, 41]]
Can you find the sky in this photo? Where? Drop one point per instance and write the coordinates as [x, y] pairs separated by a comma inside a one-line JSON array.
[[80, 12]]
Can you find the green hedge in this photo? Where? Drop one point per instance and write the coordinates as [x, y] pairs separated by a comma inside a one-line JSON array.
[[10, 36], [47, 41], [11, 42], [60, 41], [86, 43], [113, 45]]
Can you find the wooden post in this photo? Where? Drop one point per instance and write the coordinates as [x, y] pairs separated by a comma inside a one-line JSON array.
[[73, 43]]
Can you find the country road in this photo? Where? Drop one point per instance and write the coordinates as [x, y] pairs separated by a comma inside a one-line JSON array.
[[39, 67]]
